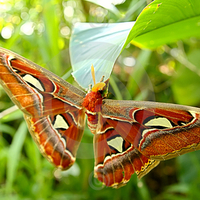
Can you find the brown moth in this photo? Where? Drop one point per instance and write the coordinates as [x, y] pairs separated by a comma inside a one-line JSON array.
[[129, 136]]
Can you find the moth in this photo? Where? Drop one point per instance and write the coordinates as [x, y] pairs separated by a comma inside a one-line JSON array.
[[129, 136]]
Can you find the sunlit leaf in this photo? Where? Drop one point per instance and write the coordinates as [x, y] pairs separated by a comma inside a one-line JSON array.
[[97, 44], [163, 22]]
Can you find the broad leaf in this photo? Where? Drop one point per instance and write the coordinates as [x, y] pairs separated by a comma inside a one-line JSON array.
[[166, 21], [98, 44]]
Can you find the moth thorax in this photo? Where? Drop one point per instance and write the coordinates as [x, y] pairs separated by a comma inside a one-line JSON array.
[[93, 102]]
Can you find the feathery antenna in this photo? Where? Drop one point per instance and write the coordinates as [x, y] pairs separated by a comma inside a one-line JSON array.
[[93, 74]]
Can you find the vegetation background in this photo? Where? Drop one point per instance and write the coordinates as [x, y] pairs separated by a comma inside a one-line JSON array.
[[40, 31]]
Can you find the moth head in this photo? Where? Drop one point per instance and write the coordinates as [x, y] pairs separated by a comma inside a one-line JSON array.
[[101, 87], [98, 87]]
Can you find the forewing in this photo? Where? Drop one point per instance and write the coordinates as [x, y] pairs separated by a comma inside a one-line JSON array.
[[52, 107], [158, 130]]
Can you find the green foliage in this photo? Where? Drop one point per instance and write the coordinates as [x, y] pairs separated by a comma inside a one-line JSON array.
[[164, 22], [40, 31]]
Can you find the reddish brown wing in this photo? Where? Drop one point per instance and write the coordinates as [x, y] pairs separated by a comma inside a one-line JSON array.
[[116, 159], [52, 107], [135, 136]]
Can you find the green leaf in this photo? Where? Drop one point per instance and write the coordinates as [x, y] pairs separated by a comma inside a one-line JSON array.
[[50, 41], [7, 129], [98, 44], [14, 155], [166, 21]]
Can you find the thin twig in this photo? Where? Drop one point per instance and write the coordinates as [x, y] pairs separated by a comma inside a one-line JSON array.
[[179, 56], [8, 111]]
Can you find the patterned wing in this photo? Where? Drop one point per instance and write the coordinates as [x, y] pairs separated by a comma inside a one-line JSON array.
[[136, 136], [52, 107]]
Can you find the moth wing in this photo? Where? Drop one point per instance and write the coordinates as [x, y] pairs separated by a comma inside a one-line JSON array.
[[147, 131], [52, 107], [116, 159]]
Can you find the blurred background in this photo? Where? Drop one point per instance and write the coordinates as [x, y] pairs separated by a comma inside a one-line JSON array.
[[40, 31]]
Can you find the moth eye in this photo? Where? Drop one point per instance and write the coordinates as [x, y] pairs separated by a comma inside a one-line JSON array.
[[101, 91]]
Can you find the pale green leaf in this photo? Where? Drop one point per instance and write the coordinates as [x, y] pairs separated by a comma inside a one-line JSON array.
[[98, 44]]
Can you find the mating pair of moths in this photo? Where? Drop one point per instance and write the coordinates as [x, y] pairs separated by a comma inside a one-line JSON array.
[[129, 136]]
